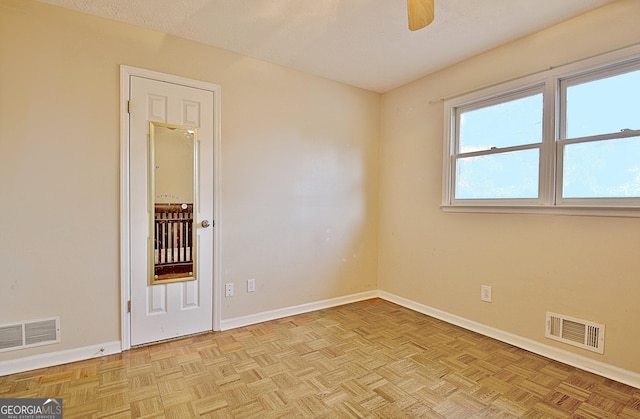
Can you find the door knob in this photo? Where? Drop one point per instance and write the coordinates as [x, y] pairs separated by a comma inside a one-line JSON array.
[[205, 223]]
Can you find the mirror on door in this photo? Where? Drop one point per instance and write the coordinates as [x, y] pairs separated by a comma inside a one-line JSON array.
[[173, 197]]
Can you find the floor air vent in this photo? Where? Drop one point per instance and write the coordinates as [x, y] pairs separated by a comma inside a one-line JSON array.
[[576, 332], [29, 333]]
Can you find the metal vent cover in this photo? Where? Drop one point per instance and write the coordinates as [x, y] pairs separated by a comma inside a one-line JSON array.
[[576, 332], [29, 333]]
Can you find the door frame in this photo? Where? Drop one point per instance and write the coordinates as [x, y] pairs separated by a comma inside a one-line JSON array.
[[126, 72]]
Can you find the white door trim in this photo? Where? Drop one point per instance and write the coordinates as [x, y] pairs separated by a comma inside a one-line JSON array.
[[126, 72]]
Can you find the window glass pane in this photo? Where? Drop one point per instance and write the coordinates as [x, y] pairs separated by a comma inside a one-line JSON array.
[[498, 176], [602, 169], [603, 106], [512, 123]]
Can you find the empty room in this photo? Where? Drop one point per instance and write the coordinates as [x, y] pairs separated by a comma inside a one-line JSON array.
[[335, 208]]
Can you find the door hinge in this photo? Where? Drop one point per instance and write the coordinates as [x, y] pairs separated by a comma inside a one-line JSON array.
[[129, 306], [128, 106]]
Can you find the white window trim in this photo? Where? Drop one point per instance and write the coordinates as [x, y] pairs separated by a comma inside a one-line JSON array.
[[548, 202]]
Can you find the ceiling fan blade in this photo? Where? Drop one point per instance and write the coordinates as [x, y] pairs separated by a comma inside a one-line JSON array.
[[420, 13]]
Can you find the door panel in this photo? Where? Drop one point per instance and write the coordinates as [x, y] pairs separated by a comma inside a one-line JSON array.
[[174, 309]]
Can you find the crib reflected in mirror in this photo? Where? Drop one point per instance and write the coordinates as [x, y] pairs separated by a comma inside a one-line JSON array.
[[173, 157]]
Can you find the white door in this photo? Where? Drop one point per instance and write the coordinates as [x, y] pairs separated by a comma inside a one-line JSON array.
[[169, 310]]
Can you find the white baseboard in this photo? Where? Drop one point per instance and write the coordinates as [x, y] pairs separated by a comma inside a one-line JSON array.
[[293, 310], [606, 370], [35, 362]]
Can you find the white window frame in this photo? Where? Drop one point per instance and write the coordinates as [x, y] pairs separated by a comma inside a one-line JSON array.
[[549, 198]]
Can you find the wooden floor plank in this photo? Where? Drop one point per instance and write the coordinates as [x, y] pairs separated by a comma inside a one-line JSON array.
[[371, 359]]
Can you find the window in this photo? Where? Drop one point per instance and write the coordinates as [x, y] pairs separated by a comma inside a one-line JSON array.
[[599, 145], [565, 138], [498, 148]]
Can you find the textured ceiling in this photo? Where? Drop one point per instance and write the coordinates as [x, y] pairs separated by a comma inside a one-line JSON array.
[[363, 43]]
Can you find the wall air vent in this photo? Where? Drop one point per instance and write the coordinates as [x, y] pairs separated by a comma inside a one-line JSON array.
[[30, 333], [581, 333]]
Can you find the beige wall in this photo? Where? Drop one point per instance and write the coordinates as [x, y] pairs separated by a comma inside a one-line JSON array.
[[586, 267], [299, 173]]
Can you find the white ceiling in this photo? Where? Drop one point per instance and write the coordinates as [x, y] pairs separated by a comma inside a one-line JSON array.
[[363, 43]]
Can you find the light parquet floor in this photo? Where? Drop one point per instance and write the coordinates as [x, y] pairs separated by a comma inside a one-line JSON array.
[[371, 359]]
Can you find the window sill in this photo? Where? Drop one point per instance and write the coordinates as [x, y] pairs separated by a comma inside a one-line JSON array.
[[624, 212]]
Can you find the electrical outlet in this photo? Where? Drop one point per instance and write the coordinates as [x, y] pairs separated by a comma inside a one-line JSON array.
[[485, 293], [228, 289], [251, 285]]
